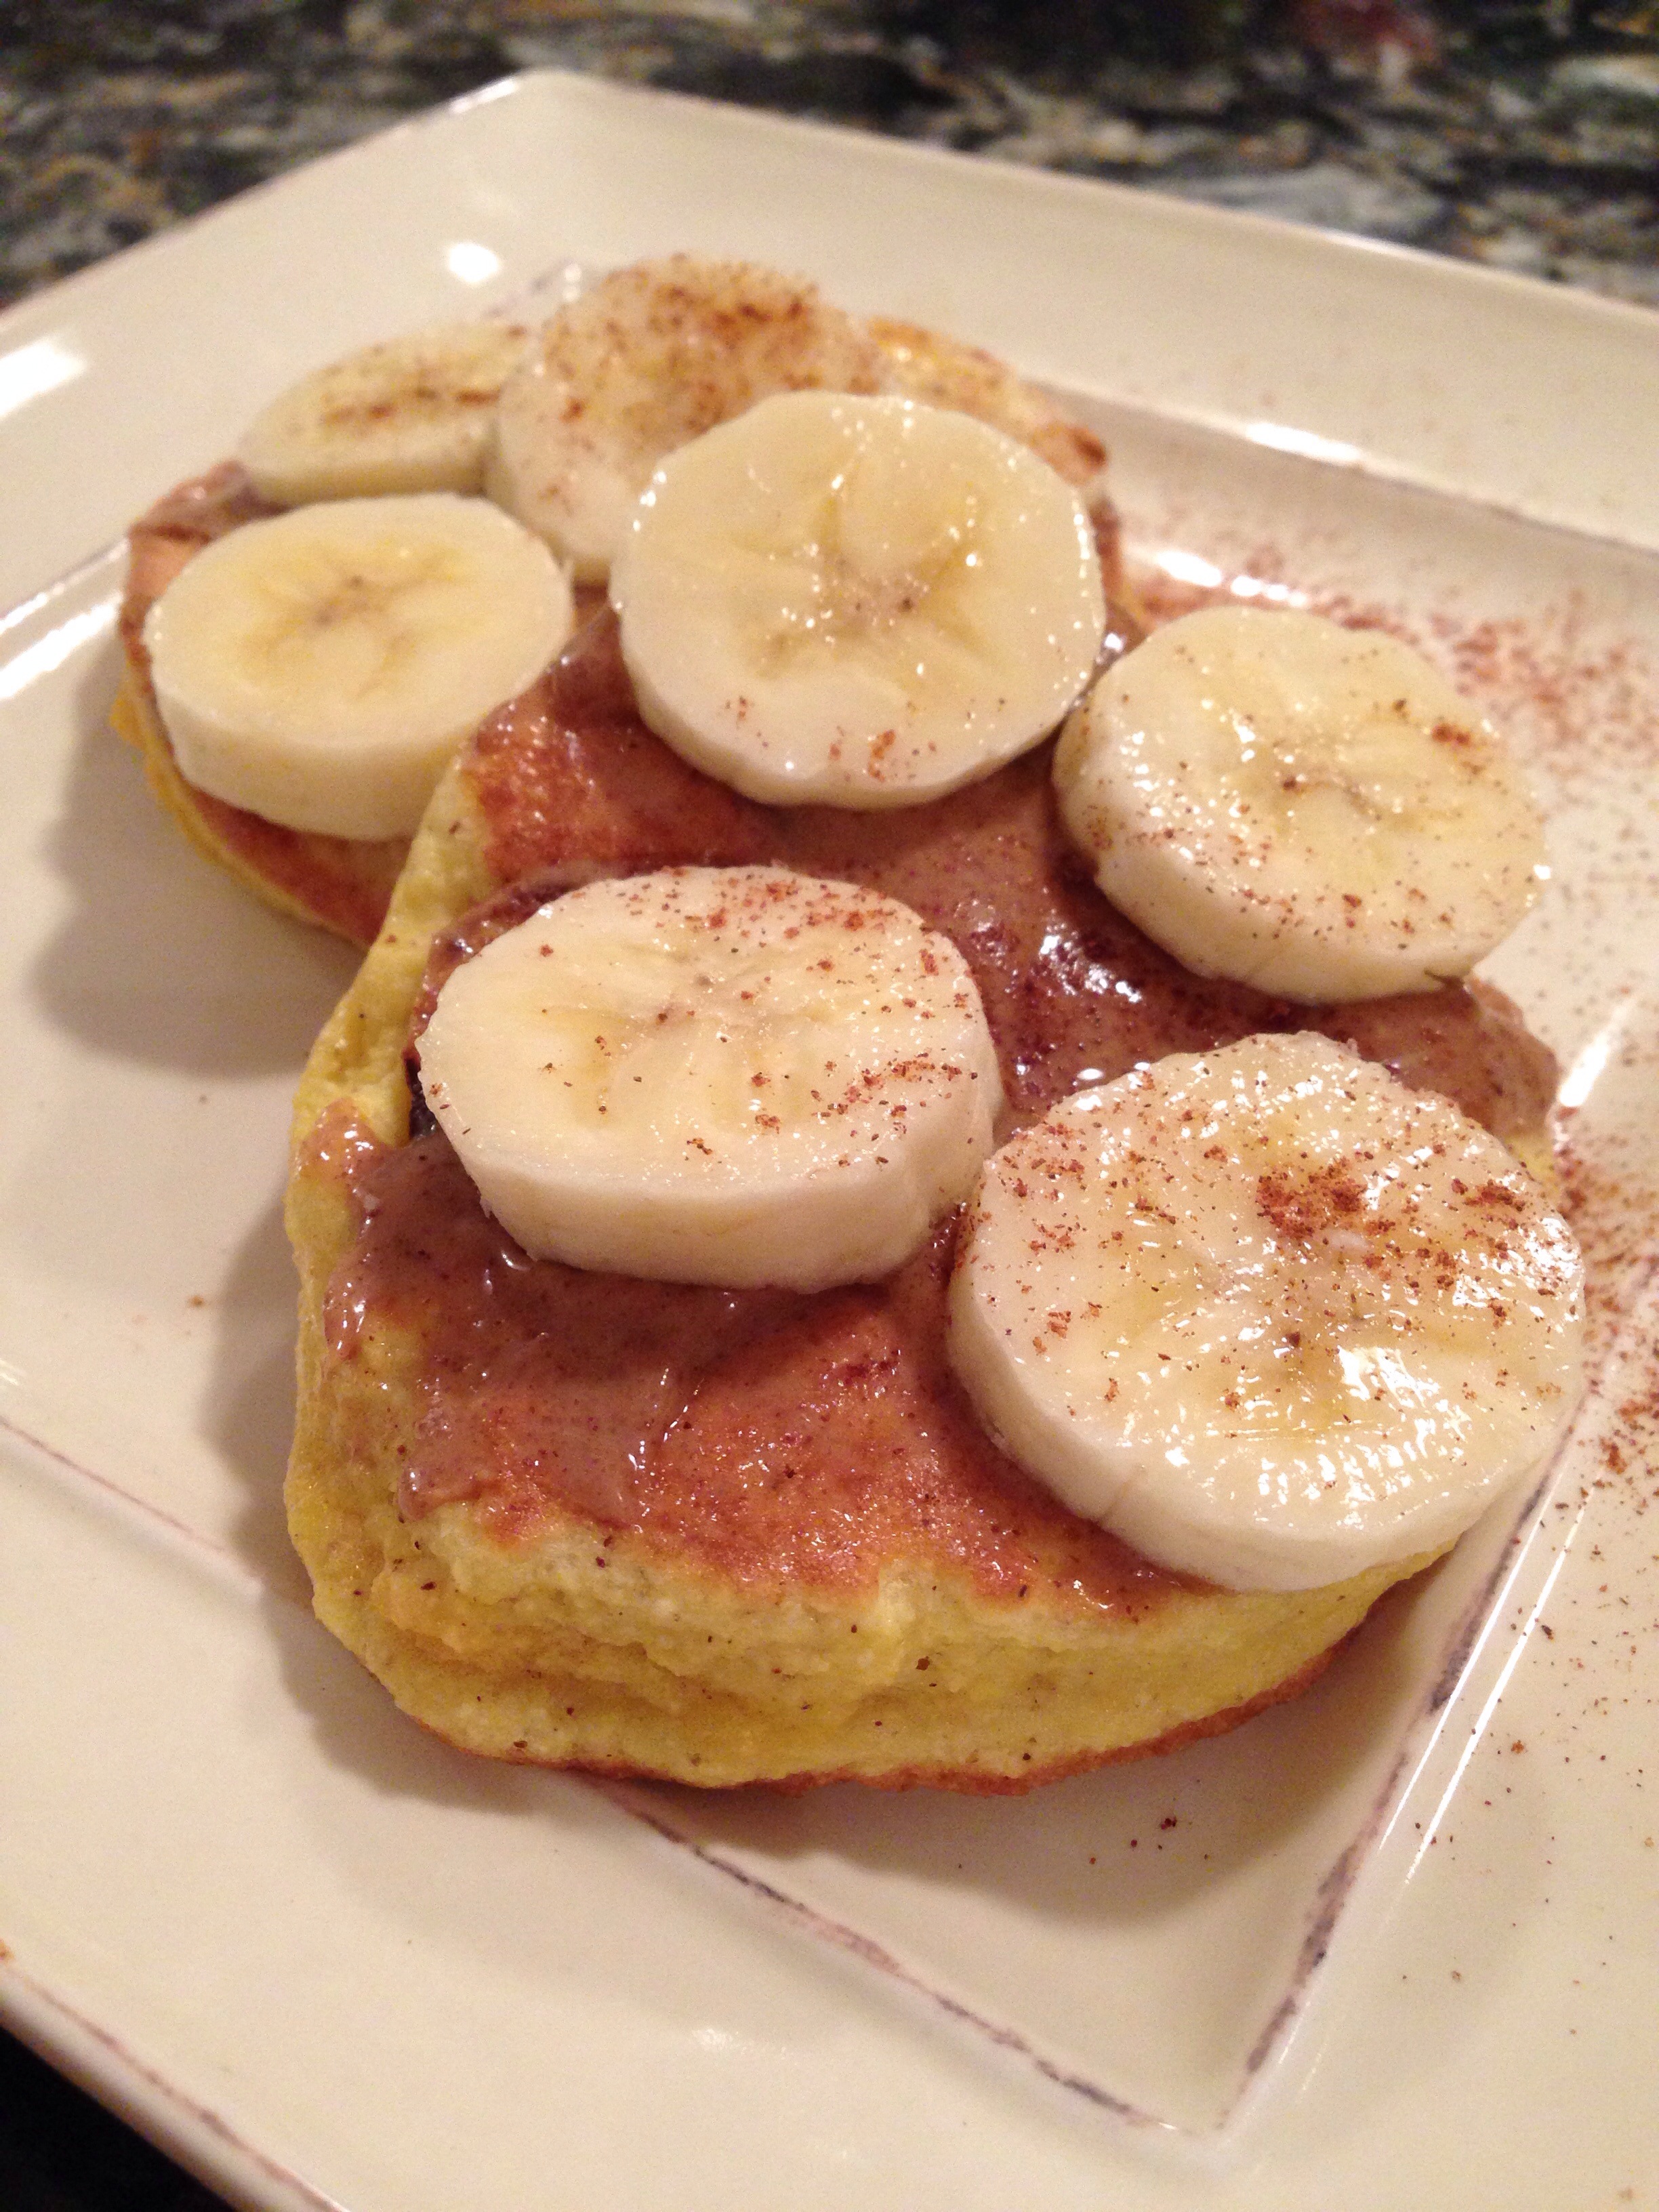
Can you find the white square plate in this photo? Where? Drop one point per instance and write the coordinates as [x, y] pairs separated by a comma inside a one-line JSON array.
[[1367, 1951]]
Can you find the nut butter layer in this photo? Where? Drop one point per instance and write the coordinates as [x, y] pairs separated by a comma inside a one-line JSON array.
[[724, 1536]]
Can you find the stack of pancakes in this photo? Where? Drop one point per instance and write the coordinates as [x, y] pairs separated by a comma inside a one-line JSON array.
[[717, 1536]]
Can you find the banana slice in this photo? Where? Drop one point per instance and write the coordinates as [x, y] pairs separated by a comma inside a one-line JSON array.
[[654, 356], [735, 1076], [411, 414], [1309, 809], [1269, 1315], [863, 601], [318, 668]]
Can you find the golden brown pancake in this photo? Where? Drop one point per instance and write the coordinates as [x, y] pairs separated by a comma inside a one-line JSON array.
[[345, 883], [738, 1536]]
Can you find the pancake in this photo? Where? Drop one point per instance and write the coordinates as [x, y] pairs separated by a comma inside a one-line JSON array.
[[720, 1536], [343, 883]]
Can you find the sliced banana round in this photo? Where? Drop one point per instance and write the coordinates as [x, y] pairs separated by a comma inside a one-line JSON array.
[[735, 1076], [1306, 808], [410, 414], [319, 668], [866, 602], [654, 356], [1267, 1314]]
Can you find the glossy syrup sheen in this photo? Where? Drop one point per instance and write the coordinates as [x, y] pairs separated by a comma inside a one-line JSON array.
[[773, 1437]]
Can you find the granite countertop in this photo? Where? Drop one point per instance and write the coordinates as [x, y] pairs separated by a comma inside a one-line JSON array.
[[1521, 133]]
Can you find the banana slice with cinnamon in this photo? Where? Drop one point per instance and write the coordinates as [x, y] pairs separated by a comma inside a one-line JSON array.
[[863, 602], [318, 668], [412, 414], [736, 1076], [653, 357], [1268, 1315], [1306, 808]]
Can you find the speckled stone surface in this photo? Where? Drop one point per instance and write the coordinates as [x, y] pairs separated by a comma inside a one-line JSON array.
[[1520, 132]]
